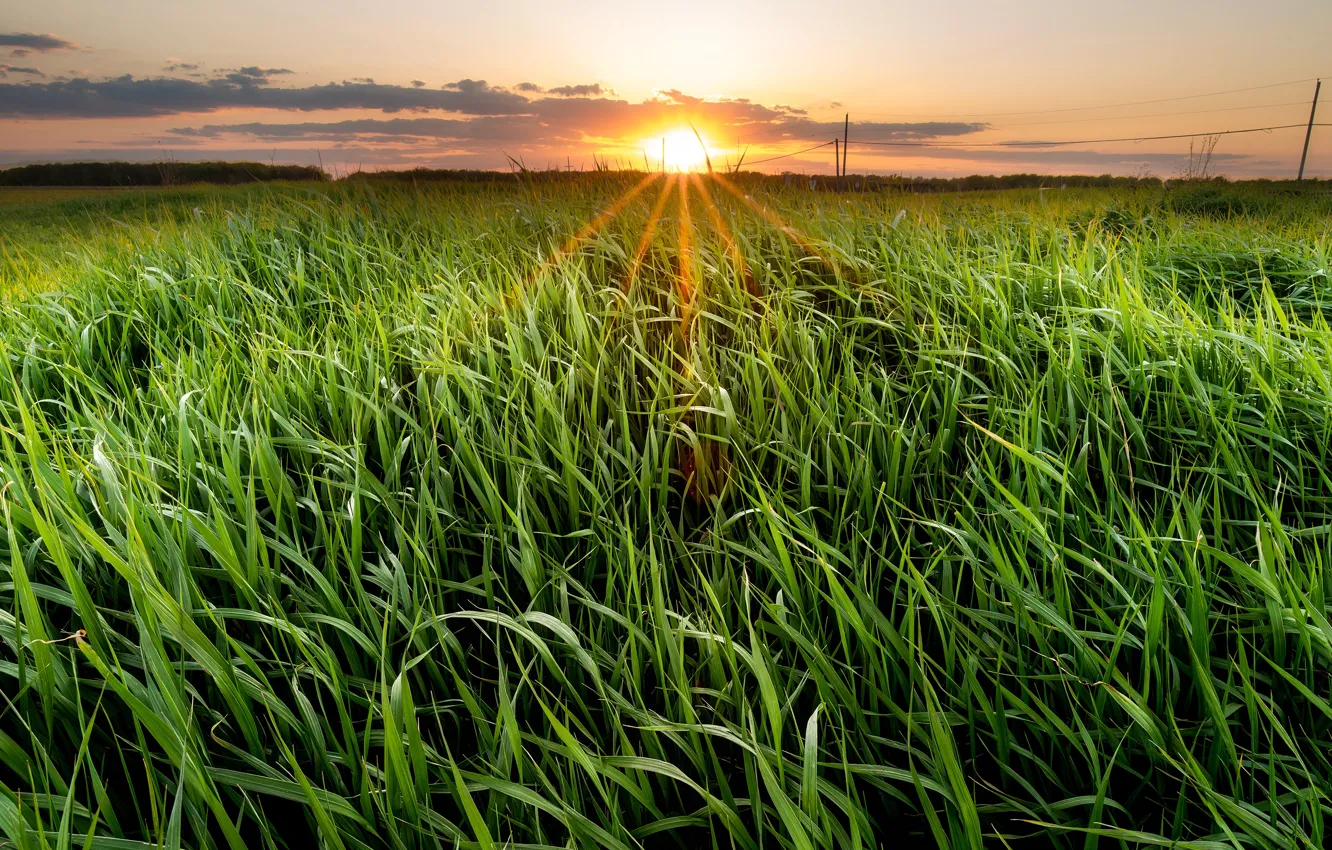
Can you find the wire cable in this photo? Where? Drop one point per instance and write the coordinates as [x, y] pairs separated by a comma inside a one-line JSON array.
[[1104, 106], [785, 155], [1304, 103], [1134, 139]]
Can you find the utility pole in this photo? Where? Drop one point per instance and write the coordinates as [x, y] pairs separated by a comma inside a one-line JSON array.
[[1309, 132], [846, 143]]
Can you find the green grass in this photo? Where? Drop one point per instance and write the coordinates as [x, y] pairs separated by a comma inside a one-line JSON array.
[[1005, 520]]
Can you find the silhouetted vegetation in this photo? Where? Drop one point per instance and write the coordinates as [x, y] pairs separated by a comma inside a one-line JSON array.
[[860, 182], [153, 173], [1213, 196]]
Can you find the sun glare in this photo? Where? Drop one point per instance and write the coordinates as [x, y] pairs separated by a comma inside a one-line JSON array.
[[683, 152]]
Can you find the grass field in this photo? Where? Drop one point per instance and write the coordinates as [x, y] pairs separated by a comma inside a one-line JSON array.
[[625, 512]]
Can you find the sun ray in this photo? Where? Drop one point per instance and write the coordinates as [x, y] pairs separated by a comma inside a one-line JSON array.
[[649, 230], [776, 222], [597, 223], [572, 243], [686, 260], [719, 224]]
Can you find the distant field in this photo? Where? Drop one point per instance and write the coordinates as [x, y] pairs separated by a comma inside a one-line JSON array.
[[664, 512]]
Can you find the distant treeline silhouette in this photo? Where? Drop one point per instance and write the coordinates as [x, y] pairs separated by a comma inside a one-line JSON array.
[[153, 173], [859, 182], [173, 173], [871, 183]]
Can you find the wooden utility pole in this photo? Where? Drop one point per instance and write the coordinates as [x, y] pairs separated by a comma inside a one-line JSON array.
[[837, 161], [1309, 132], [846, 143]]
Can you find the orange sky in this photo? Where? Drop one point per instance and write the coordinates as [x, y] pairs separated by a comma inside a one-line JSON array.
[[300, 81]]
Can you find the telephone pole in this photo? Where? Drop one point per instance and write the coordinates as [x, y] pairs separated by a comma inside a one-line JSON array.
[[1309, 132], [846, 143]]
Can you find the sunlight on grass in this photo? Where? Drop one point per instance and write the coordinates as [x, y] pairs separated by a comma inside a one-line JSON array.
[[628, 511]]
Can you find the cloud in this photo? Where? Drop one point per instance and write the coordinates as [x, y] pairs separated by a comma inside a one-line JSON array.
[[467, 114], [472, 87], [31, 42], [6, 70], [560, 121], [264, 73], [585, 90], [528, 87], [678, 96], [174, 64], [130, 97], [253, 75], [506, 128]]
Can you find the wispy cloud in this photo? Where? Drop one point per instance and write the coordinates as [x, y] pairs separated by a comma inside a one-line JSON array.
[[173, 64], [585, 90], [253, 75], [478, 112], [25, 43], [566, 120], [131, 97], [6, 70]]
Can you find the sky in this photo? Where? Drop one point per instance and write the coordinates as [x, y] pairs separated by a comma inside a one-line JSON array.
[[406, 83]]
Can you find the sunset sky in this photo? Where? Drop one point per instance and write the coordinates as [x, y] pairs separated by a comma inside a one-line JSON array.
[[449, 85]]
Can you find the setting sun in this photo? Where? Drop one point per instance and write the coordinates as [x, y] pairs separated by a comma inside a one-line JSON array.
[[517, 424], [683, 151]]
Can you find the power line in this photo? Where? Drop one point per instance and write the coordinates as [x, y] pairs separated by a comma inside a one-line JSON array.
[[1104, 106], [1154, 114], [1065, 143], [792, 153]]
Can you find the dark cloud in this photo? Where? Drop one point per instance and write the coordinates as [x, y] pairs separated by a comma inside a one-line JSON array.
[[679, 96], [31, 42], [417, 84], [174, 64], [177, 151], [565, 121], [265, 73], [585, 90], [836, 104], [489, 129], [6, 70], [129, 97], [253, 75], [528, 87], [473, 87]]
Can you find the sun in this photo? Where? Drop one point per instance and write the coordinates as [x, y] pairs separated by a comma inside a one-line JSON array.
[[683, 152]]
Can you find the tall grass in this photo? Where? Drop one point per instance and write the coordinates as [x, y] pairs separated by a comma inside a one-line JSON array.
[[373, 518]]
